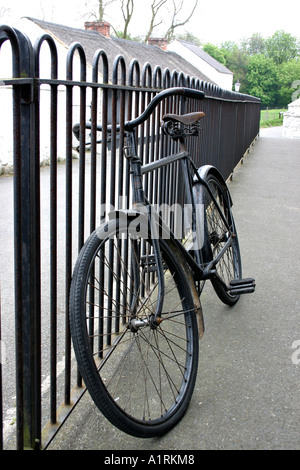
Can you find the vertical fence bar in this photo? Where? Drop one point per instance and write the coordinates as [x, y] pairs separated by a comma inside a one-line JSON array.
[[27, 255], [7, 33], [100, 54], [68, 234], [53, 255], [17, 268], [31, 283], [53, 212], [75, 47], [81, 211]]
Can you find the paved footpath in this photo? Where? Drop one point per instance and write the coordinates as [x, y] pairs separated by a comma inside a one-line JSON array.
[[247, 394]]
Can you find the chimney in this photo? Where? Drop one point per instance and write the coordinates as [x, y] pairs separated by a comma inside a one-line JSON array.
[[159, 42], [101, 27]]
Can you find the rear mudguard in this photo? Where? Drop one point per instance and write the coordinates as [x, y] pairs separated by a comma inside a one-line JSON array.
[[141, 216]]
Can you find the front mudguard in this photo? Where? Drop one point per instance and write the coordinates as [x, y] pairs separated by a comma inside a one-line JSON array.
[[140, 216]]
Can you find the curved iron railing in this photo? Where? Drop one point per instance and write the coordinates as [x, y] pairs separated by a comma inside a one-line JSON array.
[[98, 178]]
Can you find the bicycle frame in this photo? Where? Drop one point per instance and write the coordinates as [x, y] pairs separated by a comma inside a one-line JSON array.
[[154, 220], [139, 199]]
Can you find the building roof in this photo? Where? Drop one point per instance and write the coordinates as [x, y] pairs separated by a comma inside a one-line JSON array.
[[91, 41], [206, 57]]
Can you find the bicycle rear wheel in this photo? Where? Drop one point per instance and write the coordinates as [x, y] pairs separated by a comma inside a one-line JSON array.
[[229, 267], [140, 376]]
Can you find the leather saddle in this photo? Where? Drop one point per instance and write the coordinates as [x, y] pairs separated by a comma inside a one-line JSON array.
[[185, 119]]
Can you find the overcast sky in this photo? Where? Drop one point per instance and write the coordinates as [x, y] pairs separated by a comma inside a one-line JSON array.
[[216, 21]]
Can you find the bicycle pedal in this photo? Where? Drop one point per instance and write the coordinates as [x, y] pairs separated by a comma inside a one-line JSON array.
[[242, 286]]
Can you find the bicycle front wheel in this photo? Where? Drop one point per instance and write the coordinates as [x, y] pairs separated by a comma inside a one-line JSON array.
[[139, 375]]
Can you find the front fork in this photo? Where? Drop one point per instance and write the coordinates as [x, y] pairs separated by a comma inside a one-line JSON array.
[[155, 320]]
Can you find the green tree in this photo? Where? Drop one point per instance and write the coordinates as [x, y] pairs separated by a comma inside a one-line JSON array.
[[282, 47], [288, 75], [267, 68], [237, 61], [215, 52], [256, 44], [262, 79]]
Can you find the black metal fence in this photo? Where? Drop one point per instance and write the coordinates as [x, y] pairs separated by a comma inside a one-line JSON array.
[[56, 208]]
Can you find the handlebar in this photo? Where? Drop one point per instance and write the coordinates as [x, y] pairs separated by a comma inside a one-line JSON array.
[[130, 125], [185, 92]]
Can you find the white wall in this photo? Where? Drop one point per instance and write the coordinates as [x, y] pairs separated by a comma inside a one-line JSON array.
[[6, 116], [222, 79]]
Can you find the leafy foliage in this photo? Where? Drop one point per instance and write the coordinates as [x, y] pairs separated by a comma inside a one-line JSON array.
[[282, 47], [266, 68], [214, 52], [261, 79]]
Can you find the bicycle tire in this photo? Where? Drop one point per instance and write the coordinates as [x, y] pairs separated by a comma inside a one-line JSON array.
[[230, 265], [141, 381]]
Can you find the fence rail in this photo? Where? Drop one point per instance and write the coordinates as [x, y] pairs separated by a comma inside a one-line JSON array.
[[56, 209]]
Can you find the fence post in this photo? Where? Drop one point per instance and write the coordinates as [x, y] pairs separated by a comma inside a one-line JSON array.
[[30, 366], [27, 242]]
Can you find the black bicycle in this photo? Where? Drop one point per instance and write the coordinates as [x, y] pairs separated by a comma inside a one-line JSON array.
[[135, 308]]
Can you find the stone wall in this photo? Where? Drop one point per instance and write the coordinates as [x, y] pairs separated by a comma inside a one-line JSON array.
[[291, 121]]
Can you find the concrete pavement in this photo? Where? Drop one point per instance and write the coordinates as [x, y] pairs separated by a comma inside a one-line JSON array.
[[247, 394]]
